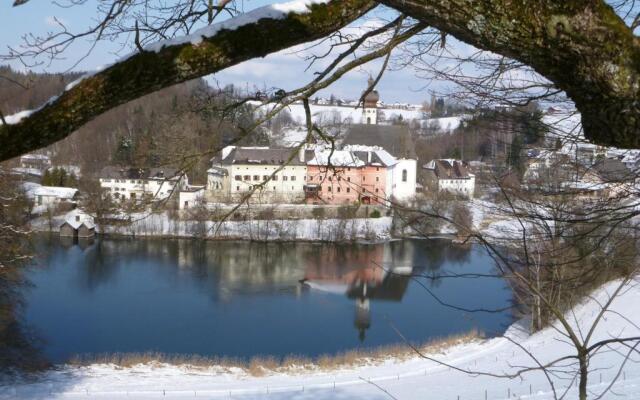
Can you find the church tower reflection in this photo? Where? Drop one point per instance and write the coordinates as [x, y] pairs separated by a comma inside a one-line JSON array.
[[365, 277]]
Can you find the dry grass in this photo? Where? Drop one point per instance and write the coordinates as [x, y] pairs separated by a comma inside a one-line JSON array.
[[260, 366]]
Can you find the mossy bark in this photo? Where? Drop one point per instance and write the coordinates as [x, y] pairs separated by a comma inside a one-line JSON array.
[[582, 46], [147, 72]]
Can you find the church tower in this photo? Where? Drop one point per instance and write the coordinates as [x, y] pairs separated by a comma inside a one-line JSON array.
[[370, 109]]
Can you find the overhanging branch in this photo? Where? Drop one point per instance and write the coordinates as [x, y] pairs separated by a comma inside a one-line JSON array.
[[149, 71]]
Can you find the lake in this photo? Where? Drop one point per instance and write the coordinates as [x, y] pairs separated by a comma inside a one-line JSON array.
[[244, 299]]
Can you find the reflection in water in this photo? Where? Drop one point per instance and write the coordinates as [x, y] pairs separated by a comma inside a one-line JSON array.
[[242, 299], [380, 274]]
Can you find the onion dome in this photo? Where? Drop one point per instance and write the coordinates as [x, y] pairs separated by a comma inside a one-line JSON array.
[[372, 98]]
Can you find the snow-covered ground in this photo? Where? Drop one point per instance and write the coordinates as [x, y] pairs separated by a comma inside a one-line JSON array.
[[413, 378], [325, 114]]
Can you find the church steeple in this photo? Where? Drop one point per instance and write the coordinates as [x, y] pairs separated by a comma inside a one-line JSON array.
[[370, 109]]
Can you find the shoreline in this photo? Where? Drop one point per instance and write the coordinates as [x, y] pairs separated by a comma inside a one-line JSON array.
[[263, 365]]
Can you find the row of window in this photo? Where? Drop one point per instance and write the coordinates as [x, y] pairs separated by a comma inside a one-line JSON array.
[[264, 177], [133, 181], [250, 187], [339, 189]]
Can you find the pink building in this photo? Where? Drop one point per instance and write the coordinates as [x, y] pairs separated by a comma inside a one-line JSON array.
[[346, 177]]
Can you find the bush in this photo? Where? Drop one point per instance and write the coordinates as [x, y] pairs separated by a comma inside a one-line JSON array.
[[375, 214]]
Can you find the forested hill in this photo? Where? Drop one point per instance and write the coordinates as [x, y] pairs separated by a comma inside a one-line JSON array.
[[25, 91], [162, 128]]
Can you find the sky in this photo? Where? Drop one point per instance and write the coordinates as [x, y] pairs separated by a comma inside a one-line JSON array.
[[282, 70]]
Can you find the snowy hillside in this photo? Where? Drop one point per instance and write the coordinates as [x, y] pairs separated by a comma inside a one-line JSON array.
[[323, 114], [408, 379]]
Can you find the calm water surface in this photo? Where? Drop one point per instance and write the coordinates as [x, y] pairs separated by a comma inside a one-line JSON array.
[[242, 299]]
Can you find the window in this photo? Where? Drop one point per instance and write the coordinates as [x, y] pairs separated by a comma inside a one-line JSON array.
[[186, 204], [293, 178], [377, 179], [284, 177], [338, 190], [274, 188], [77, 218], [348, 179], [364, 178], [328, 188], [293, 188], [238, 178], [274, 177], [376, 190], [256, 177], [310, 178], [247, 177], [404, 175], [377, 168], [348, 190], [238, 188], [265, 177]]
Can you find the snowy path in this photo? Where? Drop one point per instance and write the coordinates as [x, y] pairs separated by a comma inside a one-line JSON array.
[[410, 379]]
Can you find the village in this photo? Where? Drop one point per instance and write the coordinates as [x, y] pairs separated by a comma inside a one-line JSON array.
[[375, 165]]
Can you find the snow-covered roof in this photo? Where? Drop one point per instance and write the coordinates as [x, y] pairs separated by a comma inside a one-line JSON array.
[[34, 190], [337, 158], [76, 218], [35, 157], [384, 156], [27, 171]]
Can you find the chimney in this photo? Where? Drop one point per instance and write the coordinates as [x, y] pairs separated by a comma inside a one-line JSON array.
[[301, 151], [368, 157]]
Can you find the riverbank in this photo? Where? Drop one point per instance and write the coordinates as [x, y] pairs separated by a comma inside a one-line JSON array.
[[161, 225], [484, 220], [267, 365], [412, 378]]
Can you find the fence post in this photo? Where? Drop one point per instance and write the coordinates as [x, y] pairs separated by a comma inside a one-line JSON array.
[[530, 389], [485, 394]]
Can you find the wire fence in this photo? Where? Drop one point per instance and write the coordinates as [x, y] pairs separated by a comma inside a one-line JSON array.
[[515, 390]]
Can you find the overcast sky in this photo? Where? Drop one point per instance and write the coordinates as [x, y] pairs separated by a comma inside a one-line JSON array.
[[282, 70]]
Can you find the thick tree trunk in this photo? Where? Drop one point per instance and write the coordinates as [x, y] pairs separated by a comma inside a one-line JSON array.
[[580, 45], [150, 71]]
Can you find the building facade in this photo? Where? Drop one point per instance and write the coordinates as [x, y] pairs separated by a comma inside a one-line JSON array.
[[268, 175], [452, 176], [359, 174], [140, 184]]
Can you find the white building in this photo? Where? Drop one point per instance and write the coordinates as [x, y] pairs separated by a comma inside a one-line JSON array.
[[49, 197], [274, 175], [191, 196], [401, 179], [35, 161], [451, 176], [140, 184]]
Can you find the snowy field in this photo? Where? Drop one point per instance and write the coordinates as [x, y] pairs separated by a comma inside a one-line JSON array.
[[343, 114], [410, 379]]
